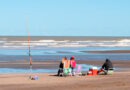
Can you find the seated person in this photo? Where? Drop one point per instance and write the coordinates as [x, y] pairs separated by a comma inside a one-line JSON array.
[[67, 69], [61, 66], [107, 67]]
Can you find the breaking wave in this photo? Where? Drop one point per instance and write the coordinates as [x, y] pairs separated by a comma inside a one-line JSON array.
[[65, 43]]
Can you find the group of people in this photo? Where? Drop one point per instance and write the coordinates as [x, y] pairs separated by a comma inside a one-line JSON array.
[[68, 66]]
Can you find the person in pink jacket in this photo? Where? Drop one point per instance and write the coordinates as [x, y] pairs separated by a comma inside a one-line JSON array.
[[72, 64]]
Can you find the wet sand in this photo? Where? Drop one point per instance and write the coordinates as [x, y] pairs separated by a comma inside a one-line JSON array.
[[120, 80], [54, 64], [108, 51]]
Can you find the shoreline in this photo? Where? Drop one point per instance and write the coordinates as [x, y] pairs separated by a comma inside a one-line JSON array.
[[119, 80], [55, 64], [107, 51]]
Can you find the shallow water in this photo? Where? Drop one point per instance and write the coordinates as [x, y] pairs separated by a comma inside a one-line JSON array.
[[56, 53], [85, 67], [56, 50]]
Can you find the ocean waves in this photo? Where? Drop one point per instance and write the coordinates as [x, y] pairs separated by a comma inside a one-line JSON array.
[[65, 43]]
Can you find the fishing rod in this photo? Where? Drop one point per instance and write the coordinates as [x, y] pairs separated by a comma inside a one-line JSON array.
[[31, 77], [29, 51]]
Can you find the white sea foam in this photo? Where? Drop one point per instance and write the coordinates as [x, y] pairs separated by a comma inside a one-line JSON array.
[[66, 43]]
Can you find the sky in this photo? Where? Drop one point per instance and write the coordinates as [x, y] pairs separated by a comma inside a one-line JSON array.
[[65, 17]]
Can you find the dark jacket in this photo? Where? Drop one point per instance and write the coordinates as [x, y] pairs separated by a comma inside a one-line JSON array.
[[107, 65], [61, 65]]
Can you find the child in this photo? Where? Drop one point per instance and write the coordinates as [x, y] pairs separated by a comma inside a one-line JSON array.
[[72, 64]]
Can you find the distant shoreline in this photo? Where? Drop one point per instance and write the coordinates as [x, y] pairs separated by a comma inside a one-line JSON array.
[[108, 51]]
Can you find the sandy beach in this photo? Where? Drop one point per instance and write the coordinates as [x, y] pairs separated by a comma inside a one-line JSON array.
[[64, 45], [55, 64], [47, 81], [120, 80]]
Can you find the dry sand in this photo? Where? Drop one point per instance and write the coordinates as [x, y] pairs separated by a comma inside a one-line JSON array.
[[120, 80], [47, 81]]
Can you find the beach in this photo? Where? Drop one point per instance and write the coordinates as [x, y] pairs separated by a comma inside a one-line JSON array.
[[49, 64], [119, 80], [46, 53], [65, 45], [47, 81]]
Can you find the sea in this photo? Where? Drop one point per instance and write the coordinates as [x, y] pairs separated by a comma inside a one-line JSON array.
[[54, 48], [42, 48]]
